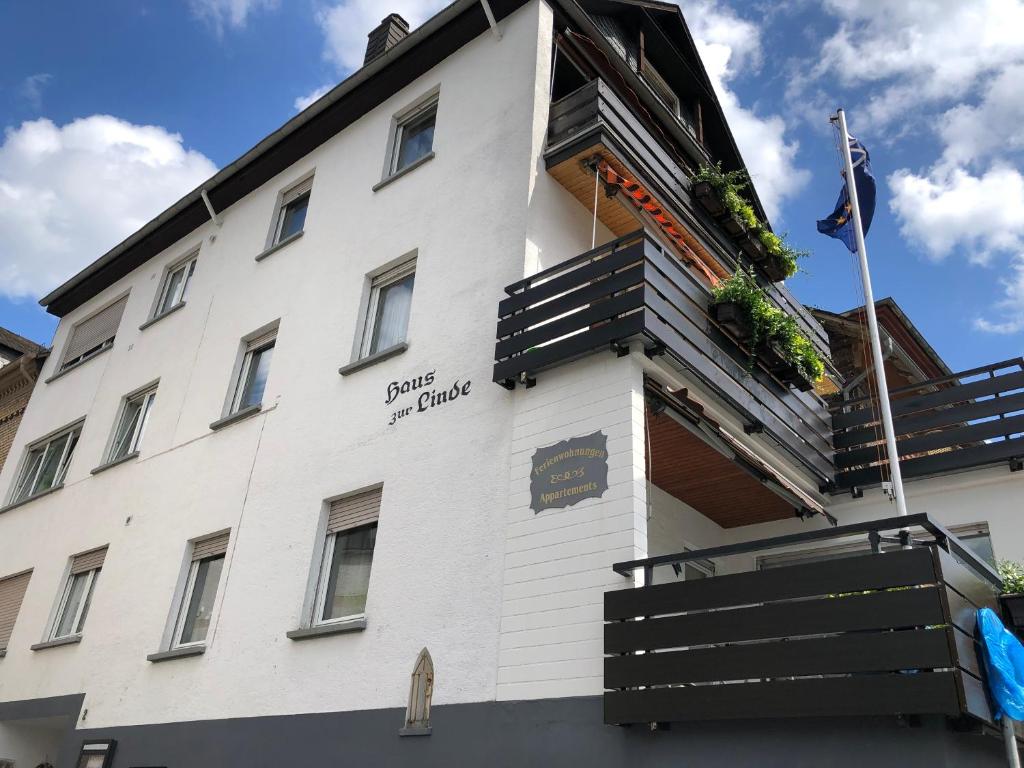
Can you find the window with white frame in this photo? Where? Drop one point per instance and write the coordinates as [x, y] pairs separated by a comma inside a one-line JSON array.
[[291, 213], [175, 286], [131, 425], [46, 464], [413, 136], [93, 335], [387, 315], [344, 577], [252, 376], [196, 609], [77, 595]]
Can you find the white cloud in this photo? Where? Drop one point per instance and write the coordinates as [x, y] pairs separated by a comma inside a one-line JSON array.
[[304, 101], [920, 52], [221, 14], [1011, 306], [994, 126], [32, 89], [69, 193], [727, 45], [345, 25]]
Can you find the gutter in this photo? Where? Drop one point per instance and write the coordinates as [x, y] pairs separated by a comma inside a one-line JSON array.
[[341, 90]]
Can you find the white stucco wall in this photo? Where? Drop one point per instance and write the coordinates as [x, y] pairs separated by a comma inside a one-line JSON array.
[[437, 572]]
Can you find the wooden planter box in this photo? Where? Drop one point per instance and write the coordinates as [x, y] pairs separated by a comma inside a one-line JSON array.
[[1013, 611], [733, 320], [708, 197], [786, 371], [753, 247], [774, 268]]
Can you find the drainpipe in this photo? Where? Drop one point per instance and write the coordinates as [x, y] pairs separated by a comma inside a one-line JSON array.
[[490, 19], [209, 207]]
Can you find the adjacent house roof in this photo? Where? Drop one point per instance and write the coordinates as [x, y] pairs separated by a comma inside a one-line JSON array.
[[19, 344]]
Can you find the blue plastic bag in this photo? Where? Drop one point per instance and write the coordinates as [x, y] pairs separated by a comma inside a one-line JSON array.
[[1004, 662]]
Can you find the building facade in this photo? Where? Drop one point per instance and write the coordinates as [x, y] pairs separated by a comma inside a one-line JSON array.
[[20, 361], [281, 497]]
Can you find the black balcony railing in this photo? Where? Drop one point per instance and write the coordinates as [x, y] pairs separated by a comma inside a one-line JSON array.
[[634, 289], [956, 422], [882, 633]]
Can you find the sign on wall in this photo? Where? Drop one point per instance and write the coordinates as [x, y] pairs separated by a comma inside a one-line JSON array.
[[568, 472]]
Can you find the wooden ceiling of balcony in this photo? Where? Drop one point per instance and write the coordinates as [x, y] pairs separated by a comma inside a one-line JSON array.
[[615, 212], [688, 468]]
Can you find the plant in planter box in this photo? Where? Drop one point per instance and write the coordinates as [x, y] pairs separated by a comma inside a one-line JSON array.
[[760, 243], [1012, 599], [742, 308]]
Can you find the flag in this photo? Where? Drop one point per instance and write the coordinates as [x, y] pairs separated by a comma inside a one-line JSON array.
[[839, 223]]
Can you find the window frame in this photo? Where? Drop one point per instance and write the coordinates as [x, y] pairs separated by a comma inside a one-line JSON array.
[[148, 396], [392, 275], [67, 454], [188, 263], [104, 747], [186, 601], [250, 350], [303, 188], [324, 577], [427, 104], [67, 364], [81, 611], [660, 87]]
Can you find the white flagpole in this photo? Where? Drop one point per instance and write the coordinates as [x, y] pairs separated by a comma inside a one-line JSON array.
[[869, 308]]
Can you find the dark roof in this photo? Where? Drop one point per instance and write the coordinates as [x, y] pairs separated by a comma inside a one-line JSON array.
[[11, 340], [365, 89]]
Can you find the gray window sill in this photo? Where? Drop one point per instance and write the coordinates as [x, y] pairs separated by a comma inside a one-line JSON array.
[[161, 316], [79, 364], [56, 643], [408, 169], [123, 460], [376, 357], [278, 246], [414, 731], [31, 498], [322, 630], [235, 417], [177, 653]]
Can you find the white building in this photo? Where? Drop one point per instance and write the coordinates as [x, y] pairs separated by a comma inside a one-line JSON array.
[[267, 463]]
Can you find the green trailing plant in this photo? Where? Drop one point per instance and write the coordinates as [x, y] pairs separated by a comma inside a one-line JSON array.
[[730, 186], [1012, 574], [769, 325]]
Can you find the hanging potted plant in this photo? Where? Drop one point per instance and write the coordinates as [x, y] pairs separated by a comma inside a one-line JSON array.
[[1012, 599], [743, 311]]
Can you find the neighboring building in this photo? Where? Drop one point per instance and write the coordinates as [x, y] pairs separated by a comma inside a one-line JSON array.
[[20, 361], [286, 495]]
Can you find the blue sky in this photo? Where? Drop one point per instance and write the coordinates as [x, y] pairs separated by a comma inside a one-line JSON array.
[[112, 110]]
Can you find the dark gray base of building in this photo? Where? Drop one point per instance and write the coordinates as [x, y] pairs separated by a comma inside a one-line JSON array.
[[551, 732]]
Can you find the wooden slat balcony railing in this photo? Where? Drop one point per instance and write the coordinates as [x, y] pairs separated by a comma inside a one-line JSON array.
[[886, 633], [634, 289], [956, 422]]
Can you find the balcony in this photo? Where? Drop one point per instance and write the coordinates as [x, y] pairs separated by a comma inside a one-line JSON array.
[[634, 289], [888, 632], [943, 425]]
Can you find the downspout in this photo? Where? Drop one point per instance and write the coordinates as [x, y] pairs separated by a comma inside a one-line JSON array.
[[209, 207], [490, 19]]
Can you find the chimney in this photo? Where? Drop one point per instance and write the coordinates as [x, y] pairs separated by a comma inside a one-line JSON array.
[[391, 30]]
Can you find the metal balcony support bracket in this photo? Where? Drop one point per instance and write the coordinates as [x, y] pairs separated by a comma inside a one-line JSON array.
[[857, 493], [1016, 465], [620, 350], [654, 350], [754, 428]]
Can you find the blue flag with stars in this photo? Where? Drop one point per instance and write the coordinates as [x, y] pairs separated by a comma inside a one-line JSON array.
[[839, 223]]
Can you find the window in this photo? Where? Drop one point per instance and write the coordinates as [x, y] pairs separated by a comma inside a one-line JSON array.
[[291, 214], [252, 377], [77, 595], [93, 335], [196, 610], [132, 424], [348, 553], [12, 592], [660, 87], [387, 316], [97, 754], [421, 690], [413, 136], [46, 465], [175, 286]]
